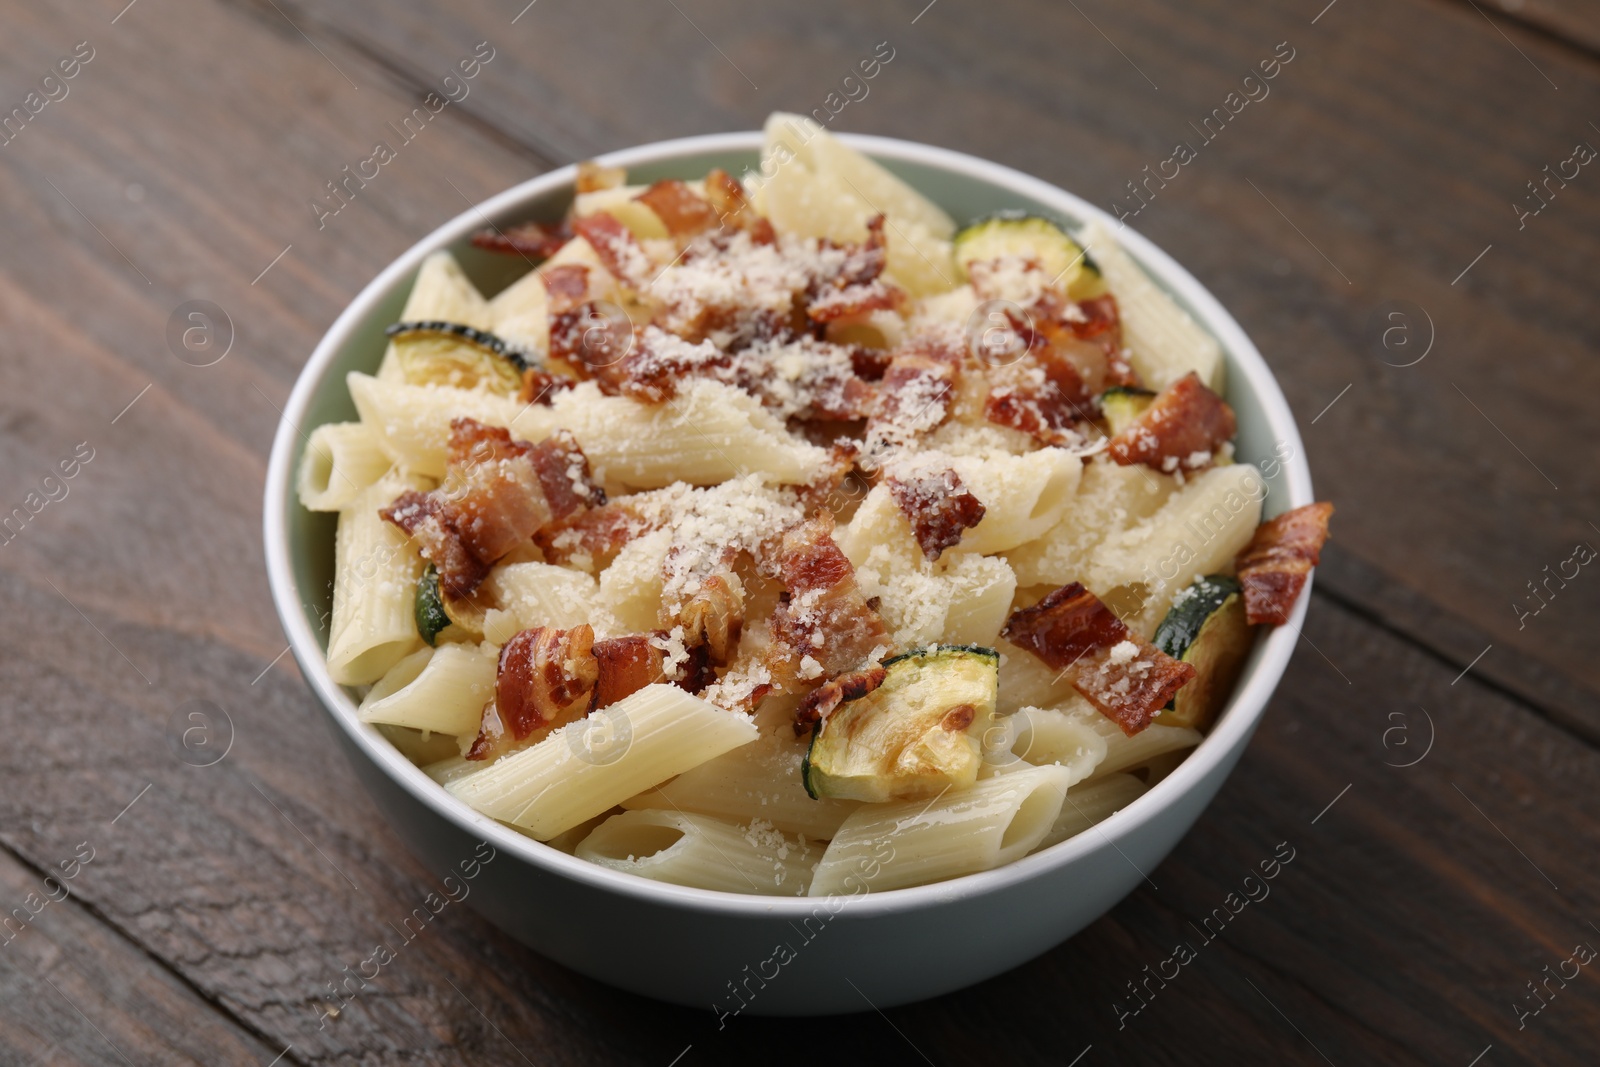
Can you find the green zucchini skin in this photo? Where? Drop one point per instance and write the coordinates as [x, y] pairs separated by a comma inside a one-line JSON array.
[[481, 338], [910, 711], [1122, 404], [429, 606], [1207, 629], [1015, 232]]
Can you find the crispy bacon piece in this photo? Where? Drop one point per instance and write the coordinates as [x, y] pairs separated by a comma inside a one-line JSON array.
[[1180, 429], [854, 301], [590, 539], [1274, 565], [497, 493], [591, 338], [429, 519], [681, 210], [1072, 631], [827, 490], [915, 393], [540, 386], [619, 250], [534, 240], [657, 363], [734, 209], [1041, 393], [547, 678], [568, 285], [820, 702], [937, 503], [826, 617], [626, 665], [542, 673], [592, 177]]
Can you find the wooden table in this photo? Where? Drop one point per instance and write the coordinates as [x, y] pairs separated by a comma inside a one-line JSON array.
[[1431, 757]]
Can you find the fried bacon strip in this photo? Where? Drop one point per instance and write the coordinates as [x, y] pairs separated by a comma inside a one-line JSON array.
[[619, 250], [1072, 631], [681, 210], [733, 208], [591, 338], [547, 678], [1181, 428], [590, 539], [820, 702], [568, 286], [915, 393], [856, 287], [826, 618], [534, 240], [937, 503], [829, 488], [1041, 392], [1274, 565], [496, 494]]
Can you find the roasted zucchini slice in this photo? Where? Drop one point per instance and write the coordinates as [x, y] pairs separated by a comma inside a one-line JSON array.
[[1121, 404], [429, 606], [1206, 628], [449, 353], [919, 733], [1017, 233]]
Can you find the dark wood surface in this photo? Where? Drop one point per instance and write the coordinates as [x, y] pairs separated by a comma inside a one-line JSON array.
[[221, 903]]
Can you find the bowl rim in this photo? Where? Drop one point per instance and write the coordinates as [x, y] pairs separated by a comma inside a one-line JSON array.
[[1228, 738]]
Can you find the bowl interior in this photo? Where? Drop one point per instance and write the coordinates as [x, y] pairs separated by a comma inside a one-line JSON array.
[[300, 543]]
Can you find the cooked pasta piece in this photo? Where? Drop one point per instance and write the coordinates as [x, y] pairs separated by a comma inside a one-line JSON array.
[[888, 846], [376, 568], [760, 780], [1166, 343], [412, 422], [598, 762], [1093, 802], [340, 460], [520, 313], [1198, 530], [451, 768], [568, 840], [1110, 498], [440, 689], [542, 594], [703, 852], [709, 433], [1049, 735]]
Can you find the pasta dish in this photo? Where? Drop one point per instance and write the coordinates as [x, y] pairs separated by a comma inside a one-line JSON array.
[[774, 534]]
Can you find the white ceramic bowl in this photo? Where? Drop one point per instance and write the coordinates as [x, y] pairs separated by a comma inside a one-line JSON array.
[[697, 947]]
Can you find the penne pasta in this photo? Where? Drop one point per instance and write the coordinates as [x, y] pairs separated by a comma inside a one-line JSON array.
[[760, 780], [598, 762], [439, 689], [376, 568], [703, 852], [889, 846], [340, 460], [1165, 342], [1091, 803]]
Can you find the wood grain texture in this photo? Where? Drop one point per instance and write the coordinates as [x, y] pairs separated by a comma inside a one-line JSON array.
[[230, 896], [73, 991], [1387, 156]]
